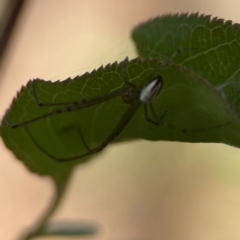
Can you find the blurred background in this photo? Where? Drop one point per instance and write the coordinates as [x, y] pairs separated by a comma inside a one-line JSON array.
[[136, 190]]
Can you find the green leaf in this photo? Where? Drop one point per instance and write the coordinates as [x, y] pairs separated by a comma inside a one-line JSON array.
[[193, 94], [182, 96], [217, 57]]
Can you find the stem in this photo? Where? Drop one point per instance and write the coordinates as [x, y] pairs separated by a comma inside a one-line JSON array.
[[61, 183]]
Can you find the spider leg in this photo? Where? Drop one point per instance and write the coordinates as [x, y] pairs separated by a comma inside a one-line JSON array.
[[83, 140], [169, 60], [37, 144], [114, 133], [41, 104], [82, 104], [124, 72], [179, 50], [79, 102], [156, 120]]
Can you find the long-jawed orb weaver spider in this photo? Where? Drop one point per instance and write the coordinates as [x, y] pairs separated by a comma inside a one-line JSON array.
[[132, 95]]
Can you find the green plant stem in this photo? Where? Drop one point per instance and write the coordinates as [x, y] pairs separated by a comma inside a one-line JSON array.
[[61, 183]]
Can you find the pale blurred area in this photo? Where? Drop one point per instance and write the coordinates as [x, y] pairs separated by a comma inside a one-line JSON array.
[[139, 190]]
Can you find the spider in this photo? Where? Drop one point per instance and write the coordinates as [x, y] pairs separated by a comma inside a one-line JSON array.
[[132, 95]]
